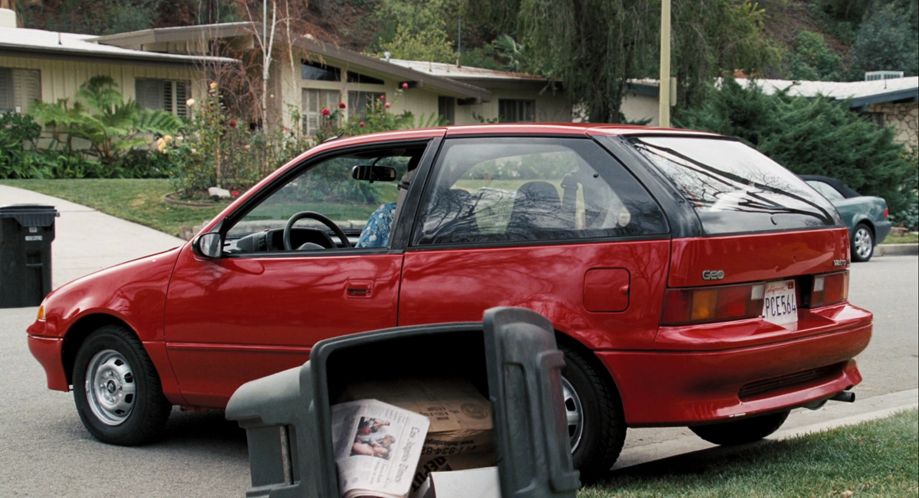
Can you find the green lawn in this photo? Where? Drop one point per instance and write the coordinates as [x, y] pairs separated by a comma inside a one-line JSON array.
[[140, 201], [877, 458], [907, 238]]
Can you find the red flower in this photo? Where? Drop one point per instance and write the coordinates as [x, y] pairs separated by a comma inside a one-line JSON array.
[[341, 105], [232, 123], [405, 85], [361, 124], [386, 105], [326, 111], [383, 97], [234, 193]]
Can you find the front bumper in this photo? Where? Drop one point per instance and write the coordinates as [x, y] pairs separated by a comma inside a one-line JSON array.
[[47, 350], [693, 387]]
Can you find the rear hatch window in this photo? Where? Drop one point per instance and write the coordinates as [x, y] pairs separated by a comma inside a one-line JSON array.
[[733, 188]]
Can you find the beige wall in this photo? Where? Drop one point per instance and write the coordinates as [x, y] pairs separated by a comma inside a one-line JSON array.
[[638, 108], [62, 77], [903, 118]]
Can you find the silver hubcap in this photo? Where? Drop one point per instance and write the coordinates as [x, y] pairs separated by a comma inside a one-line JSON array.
[[574, 414], [863, 242], [110, 387]]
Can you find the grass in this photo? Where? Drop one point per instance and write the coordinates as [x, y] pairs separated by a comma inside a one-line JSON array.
[[907, 238], [877, 458], [140, 201]]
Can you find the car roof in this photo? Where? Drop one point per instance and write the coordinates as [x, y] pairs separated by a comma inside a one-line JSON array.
[[836, 183]]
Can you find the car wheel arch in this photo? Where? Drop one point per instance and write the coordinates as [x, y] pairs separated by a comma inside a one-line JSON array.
[[566, 341], [80, 330]]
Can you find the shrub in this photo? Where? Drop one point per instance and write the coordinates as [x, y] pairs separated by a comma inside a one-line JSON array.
[[810, 136]]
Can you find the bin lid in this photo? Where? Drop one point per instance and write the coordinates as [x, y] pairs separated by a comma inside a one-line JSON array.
[[31, 215]]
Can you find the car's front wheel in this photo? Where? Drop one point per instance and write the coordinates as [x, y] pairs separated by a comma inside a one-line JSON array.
[[741, 431], [862, 243], [117, 390], [596, 424]]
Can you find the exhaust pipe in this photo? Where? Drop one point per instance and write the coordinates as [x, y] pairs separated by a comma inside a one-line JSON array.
[[845, 396]]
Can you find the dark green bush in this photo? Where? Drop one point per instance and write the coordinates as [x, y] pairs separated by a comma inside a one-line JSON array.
[[810, 136]]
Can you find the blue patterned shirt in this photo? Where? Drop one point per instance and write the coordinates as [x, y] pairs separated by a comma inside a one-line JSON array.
[[376, 232]]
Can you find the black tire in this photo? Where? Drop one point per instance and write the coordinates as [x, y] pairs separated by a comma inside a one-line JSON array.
[[603, 423], [741, 431], [862, 244], [125, 405]]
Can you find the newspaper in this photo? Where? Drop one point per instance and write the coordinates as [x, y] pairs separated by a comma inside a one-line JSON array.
[[377, 447]]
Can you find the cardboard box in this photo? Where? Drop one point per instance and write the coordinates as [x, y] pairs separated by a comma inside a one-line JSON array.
[[446, 463], [461, 418], [480, 483]]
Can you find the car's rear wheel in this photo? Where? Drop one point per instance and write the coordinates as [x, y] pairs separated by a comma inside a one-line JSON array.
[[117, 390], [862, 243], [741, 431], [596, 425]]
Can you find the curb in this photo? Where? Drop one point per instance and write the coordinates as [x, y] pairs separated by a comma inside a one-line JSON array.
[[896, 249], [800, 423]]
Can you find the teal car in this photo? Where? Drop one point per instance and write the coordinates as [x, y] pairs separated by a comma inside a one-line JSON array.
[[866, 216]]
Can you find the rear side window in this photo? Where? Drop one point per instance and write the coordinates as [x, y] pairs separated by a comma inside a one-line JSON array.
[[523, 189], [733, 188]]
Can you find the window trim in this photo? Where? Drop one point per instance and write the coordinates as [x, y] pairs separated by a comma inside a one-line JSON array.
[[428, 187], [431, 145], [13, 71]]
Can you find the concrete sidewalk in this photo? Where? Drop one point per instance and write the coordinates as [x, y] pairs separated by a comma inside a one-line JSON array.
[[87, 240]]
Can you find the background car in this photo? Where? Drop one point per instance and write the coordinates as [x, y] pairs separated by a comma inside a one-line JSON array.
[[866, 216], [691, 280]]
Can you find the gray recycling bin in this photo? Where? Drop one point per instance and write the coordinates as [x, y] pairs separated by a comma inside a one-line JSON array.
[[26, 233], [511, 355]]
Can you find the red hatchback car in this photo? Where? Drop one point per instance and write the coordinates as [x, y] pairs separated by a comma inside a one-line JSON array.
[[692, 281]]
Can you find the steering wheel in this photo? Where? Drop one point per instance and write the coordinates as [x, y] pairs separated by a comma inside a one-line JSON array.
[[313, 216]]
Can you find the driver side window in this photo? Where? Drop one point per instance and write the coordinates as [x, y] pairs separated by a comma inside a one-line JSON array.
[[332, 190]]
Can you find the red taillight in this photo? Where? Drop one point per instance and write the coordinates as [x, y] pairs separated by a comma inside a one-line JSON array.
[[886, 213], [830, 289], [712, 304]]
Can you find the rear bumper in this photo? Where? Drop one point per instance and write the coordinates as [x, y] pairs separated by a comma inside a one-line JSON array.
[[692, 387], [47, 350]]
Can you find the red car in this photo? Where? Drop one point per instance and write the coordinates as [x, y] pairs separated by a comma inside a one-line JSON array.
[[692, 281]]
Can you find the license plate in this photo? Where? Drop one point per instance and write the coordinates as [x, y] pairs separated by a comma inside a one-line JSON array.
[[780, 304]]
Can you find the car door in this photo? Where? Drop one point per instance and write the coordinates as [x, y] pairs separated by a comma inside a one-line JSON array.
[[556, 225], [259, 308]]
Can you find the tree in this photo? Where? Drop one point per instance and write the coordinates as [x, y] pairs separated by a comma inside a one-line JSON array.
[[811, 59], [888, 39], [430, 44], [810, 136]]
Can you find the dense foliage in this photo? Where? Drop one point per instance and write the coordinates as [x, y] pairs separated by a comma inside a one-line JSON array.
[[813, 136]]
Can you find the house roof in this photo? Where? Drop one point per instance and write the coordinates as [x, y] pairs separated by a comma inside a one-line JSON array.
[[446, 86], [37, 41], [464, 72], [859, 93]]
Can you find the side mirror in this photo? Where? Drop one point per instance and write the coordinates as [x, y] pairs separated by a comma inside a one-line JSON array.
[[210, 245], [374, 173]]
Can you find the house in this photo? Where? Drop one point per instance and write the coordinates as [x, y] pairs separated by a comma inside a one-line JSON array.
[[50, 66], [163, 67], [324, 75]]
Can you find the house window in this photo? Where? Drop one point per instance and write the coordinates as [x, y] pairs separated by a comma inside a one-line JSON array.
[[313, 103], [446, 107], [166, 95], [358, 101], [363, 78], [513, 110], [319, 72], [18, 89]]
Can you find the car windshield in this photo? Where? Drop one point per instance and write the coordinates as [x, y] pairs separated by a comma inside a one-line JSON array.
[[733, 188]]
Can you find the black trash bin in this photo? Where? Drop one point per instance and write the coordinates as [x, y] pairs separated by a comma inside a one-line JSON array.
[[26, 233], [512, 354]]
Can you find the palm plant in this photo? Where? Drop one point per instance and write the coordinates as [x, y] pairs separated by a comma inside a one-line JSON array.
[[101, 117]]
